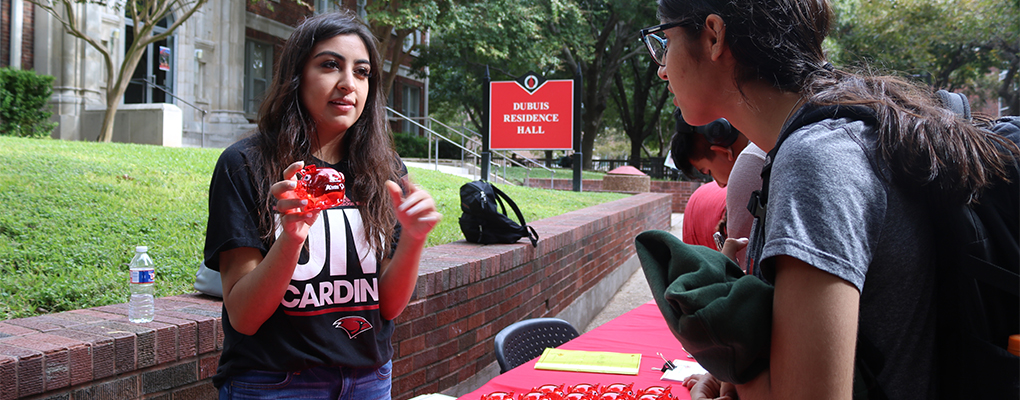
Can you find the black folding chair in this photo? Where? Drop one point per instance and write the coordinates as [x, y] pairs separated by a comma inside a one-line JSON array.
[[525, 340]]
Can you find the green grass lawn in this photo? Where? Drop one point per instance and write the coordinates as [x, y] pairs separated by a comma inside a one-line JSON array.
[[71, 214], [517, 174]]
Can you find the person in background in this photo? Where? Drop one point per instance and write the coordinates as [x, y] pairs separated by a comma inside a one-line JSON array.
[[846, 242], [705, 211], [722, 152], [710, 149], [309, 298]]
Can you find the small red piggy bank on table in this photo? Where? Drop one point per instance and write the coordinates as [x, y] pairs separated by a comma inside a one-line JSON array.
[[323, 187]]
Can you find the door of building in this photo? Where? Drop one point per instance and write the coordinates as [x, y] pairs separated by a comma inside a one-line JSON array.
[[154, 76]]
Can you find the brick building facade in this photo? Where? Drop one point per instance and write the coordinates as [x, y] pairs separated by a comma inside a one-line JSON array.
[[10, 34], [201, 85]]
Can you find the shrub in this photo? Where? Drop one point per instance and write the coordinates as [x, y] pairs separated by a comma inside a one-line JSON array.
[[449, 150], [24, 103], [411, 146]]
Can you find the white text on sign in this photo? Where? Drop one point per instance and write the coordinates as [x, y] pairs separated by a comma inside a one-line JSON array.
[[531, 118], [531, 105]]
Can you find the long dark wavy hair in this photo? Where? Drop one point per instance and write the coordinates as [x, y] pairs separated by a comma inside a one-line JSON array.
[[780, 42], [285, 129]]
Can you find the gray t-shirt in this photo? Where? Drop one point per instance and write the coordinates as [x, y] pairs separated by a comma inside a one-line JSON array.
[[832, 205]]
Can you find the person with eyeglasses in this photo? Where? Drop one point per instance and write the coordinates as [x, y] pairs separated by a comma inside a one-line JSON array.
[[847, 241], [722, 152]]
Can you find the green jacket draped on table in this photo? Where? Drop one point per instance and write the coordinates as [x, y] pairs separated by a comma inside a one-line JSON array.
[[721, 316]]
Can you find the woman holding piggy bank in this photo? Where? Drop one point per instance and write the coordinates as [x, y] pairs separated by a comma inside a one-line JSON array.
[[314, 270]]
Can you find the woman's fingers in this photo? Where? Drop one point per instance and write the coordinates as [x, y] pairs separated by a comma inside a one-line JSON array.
[[416, 202], [395, 193], [731, 246], [287, 201], [280, 189], [293, 169], [417, 211]]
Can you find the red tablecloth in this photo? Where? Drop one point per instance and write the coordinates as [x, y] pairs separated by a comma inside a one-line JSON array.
[[642, 330]]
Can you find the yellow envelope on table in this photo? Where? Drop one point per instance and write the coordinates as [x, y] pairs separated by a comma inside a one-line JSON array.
[[589, 361]]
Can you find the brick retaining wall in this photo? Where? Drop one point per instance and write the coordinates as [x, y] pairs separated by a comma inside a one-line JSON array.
[[465, 294], [680, 190]]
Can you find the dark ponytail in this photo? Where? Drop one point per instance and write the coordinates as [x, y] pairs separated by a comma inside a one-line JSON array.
[[946, 158]]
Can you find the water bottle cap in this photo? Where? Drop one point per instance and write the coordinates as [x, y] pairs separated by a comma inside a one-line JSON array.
[[141, 249]]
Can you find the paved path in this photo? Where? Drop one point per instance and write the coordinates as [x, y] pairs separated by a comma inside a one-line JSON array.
[[633, 293], [459, 171]]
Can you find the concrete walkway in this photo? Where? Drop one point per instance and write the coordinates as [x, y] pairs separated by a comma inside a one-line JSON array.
[[633, 293], [447, 169]]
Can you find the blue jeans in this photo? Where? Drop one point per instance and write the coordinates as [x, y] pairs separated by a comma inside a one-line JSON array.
[[340, 383]]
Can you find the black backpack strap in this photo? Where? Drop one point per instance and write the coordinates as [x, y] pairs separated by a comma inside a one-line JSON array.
[[499, 199], [757, 205], [808, 114], [500, 196]]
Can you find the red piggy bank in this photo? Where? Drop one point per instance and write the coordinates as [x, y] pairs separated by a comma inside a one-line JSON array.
[[323, 187]]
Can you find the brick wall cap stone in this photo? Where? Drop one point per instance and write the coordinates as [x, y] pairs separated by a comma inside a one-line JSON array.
[[626, 170]]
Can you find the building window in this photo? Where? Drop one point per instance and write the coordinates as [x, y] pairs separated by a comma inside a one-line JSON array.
[[325, 6], [411, 107], [258, 72]]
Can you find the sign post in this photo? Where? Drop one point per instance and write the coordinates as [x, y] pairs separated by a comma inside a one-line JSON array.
[[578, 159], [532, 113], [486, 156]]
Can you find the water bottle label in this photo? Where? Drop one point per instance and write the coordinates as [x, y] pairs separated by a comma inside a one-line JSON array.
[[143, 276]]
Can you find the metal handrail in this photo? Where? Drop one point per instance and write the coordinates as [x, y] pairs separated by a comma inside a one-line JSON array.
[[164, 89], [527, 174], [431, 132]]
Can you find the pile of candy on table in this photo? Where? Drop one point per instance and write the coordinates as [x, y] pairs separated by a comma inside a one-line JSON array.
[[585, 391]]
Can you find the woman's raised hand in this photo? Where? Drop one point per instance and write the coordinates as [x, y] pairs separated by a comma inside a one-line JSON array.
[[416, 212]]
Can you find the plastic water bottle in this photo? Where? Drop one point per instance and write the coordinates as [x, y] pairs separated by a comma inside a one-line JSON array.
[[143, 276]]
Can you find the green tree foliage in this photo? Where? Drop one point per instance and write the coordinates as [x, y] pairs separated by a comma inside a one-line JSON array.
[[605, 40], [396, 24], [641, 98], [556, 38], [951, 44], [413, 146], [24, 103], [507, 37]]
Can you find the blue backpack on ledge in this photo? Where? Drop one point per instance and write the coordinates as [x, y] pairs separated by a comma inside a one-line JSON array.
[[481, 222]]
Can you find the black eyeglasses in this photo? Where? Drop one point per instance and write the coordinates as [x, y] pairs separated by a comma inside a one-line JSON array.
[[657, 43]]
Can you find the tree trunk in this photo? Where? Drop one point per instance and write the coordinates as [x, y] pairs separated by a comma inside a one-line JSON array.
[[112, 104], [1010, 97], [106, 133], [636, 141], [589, 130], [114, 95]]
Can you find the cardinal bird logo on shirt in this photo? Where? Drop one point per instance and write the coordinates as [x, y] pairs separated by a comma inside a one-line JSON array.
[[352, 325]]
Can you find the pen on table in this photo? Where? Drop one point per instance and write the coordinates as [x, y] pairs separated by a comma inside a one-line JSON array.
[[668, 365]]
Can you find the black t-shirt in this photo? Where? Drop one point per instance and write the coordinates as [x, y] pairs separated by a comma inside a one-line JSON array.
[[330, 313]]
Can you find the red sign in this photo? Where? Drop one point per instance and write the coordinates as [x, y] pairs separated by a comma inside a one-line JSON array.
[[541, 118]]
